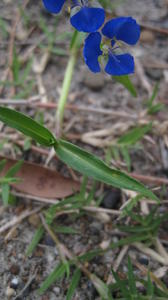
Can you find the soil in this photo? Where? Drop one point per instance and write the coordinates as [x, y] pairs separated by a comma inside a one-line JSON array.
[[90, 91]]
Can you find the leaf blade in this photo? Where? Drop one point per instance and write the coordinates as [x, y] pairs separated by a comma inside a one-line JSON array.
[[127, 83], [94, 167], [27, 126], [74, 283], [134, 135]]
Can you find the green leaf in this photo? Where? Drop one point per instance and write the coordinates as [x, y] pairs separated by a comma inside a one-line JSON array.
[[126, 156], [123, 287], [65, 230], [58, 272], [74, 283], [131, 280], [150, 287], [134, 135], [92, 166], [2, 164], [15, 66], [156, 108], [153, 96], [36, 239], [5, 193], [27, 126], [126, 82], [100, 286], [26, 71], [9, 180], [130, 205], [14, 169]]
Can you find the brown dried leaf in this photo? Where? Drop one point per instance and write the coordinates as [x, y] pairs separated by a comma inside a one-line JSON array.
[[41, 182]]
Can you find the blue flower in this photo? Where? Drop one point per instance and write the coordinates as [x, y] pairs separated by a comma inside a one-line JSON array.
[[84, 17], [54, 6], [116, 31]]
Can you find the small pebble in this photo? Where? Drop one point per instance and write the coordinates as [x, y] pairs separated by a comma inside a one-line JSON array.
[[105, 244], [49, 241], [56, 290], [147, 37], [111, 199], [154, 74], [144, 260], [14, 269], [93, 81], [10, 292], [14, 283], [34, 220]]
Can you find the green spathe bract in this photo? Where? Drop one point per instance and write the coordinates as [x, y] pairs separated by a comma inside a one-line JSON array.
[[75, 157]]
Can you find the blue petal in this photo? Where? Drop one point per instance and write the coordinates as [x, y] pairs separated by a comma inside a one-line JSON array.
[[125, 29], [88, 19], [120, 64], [92, 51], [53, 6]]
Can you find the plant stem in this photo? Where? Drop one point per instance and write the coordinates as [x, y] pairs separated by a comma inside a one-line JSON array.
[[66, 83]]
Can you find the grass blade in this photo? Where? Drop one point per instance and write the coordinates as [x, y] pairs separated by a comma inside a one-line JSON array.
[[74, 283], [131, 279], [56, 274], [36, 239]]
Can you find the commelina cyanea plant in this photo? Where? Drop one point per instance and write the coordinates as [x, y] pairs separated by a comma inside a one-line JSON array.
[[106, 43]]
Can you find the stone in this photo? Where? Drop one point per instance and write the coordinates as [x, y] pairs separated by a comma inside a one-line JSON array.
[[154, 74], [93, 81], [147, 37], [144, 260], [34, 220], [10, 292], [111, 199], [14, 283]]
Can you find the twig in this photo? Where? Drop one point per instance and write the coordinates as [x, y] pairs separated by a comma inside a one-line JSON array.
[[120, 257], [20, 218], [51, 105], [153, 254], [155, 29], [141, 74], [59, 245], [63, 248], [160, 248], [10, 233], [102, 210], [152, 275], [149, 179]]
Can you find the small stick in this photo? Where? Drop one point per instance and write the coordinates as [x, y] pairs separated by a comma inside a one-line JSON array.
[[155, 29], [102, 210], [149, 179], [51, 105], [160, 248], [20, 218], [153, 254], [63, 248]]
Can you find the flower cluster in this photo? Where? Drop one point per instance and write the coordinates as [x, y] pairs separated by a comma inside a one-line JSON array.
[[103, 47]]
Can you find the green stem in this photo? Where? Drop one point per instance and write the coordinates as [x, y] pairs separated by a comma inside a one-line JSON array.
[[67, 83]]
